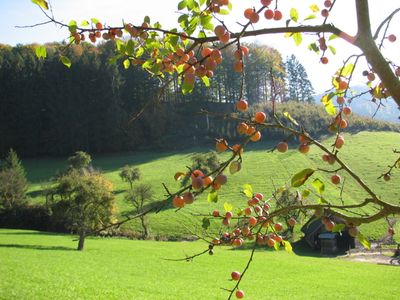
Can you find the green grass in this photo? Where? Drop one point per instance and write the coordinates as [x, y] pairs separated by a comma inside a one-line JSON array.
[[367, 153], [37, 265]]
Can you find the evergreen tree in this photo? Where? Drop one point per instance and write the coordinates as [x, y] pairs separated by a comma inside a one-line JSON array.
[[298, 87], [13, 183]]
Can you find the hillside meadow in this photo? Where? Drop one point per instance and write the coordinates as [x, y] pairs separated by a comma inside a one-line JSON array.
[[39, 265], [367, 153]]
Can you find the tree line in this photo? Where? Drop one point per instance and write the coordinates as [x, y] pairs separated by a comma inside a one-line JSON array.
[[47, 109]]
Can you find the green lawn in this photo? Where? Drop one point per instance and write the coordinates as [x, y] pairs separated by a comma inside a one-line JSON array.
[[368, 153], [37, 265]]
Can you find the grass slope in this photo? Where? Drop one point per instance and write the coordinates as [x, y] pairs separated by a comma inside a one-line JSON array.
[[367, 153], [38, 265]]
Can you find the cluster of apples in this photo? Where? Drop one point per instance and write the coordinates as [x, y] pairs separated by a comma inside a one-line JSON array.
[[198, 182], [325, 11], [252, 15], [215, 5], [246, 129], [252, 216]]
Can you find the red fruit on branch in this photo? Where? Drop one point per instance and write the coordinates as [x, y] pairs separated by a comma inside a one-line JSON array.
[[282, 147], [235, 275], [336, 179]]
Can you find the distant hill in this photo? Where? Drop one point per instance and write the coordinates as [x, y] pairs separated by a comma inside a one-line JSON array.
[[363, 106]]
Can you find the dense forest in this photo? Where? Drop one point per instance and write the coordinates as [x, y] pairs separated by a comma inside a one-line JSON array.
[[50, 110]]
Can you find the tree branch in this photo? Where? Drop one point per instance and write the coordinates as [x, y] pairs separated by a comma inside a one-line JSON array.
[[365, 41]]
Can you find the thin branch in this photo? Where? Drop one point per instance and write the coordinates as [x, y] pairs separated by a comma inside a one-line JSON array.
[[386, 20], [189, 258]]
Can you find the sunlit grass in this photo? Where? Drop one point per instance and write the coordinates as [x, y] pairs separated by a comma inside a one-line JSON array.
[[367, 153], [45, 266]]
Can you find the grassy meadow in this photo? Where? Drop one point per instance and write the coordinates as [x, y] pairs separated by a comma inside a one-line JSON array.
[[367, 153], [38, 265]]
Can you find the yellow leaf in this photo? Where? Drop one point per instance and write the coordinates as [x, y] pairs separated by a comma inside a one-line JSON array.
[[314, 7], [179, 175]]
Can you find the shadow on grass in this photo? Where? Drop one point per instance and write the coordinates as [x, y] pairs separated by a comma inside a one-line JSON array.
[[37, 247], [117, 192], [300, 248]]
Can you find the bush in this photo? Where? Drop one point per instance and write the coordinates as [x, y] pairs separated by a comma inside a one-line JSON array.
[[33, 216]]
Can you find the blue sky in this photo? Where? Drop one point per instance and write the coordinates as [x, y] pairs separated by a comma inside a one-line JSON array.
[[23, 12]]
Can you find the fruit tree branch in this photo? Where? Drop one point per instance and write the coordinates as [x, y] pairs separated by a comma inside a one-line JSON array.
[[365, 41]]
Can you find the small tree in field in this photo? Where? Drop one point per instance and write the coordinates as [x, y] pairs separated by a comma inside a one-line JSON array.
[[193, 52], [80, 160], [130, 174], [139, 196], [86, 200], [13, 183]]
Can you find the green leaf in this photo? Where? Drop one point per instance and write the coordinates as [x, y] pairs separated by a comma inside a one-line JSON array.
[[239, 212], [72, 26], [187, 88], [113, 59], [205, 19], [248, 193], [318, 185], [313, 47], [277, 246], [201, 34], [40, 51], [182, 5], [94, 20], [205, 223], [338, 228], [248, 190], [223, 12], [146, 19], [206, 81], [212, 196], [190, 4], [314, 7], [126, 63], [363, 240], [120, 45], [322, 200], [65, 60], [301, 177], [310, 17], [130, 47], [84, 23], [228, 206], [248, 187], [305, 193], [288, 116], [332, 37], [139, 52], [42, 3], [294, 14], [346, 71], [288, 246], [234, 167], [298, 38], [329, 107], [183, 19], [333, 49]]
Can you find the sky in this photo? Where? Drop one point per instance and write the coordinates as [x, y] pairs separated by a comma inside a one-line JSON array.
[[113, 12]]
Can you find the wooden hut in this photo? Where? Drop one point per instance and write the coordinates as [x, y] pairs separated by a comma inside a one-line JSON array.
[[318, 238]]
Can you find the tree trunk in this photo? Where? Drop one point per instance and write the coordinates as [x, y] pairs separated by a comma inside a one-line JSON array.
[[145, 229], [81, 242]]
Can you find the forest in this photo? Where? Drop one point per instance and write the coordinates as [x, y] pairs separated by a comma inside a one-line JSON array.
[[50, 110]]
